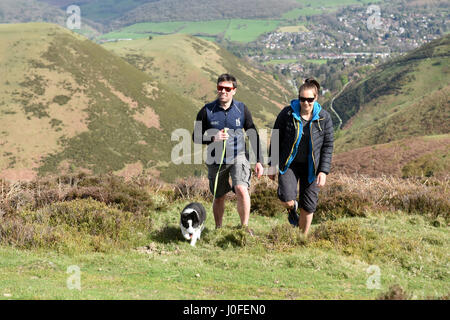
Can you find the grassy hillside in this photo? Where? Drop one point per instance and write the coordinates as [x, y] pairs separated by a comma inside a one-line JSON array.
[[69, 104], [190, 66], [408, 96], [127, 244], [426, 156]]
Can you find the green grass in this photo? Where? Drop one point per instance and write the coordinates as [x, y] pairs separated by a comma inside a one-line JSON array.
[[146, 257], [295, 13], [249, 30], [333, 3], [313, 7], [281, 61], [285, 61], [240, 30], [317, 61], [428, 165], [173, 270]]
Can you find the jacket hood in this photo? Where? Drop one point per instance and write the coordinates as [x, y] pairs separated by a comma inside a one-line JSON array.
[[295, 105]]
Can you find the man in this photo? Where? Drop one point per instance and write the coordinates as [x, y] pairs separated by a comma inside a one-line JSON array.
[[225, 119]]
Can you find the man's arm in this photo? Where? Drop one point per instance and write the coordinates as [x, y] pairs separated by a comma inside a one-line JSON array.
[[200, 127]]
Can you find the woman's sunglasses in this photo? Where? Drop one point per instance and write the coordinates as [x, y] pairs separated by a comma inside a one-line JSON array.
[[227, 89], [303, 99]]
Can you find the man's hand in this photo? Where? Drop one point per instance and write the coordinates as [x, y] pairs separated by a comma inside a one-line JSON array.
[[321, 179], [221, 135], [259, 170]]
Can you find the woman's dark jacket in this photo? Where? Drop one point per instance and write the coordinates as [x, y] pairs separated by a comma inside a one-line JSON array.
[[287, 133]]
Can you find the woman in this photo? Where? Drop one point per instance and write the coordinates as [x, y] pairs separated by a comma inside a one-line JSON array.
[[305, 147]]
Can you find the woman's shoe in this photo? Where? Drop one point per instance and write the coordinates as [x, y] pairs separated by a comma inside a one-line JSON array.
[[293, 216]]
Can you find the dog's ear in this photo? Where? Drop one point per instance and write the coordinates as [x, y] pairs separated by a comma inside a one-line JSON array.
[[197, 215]]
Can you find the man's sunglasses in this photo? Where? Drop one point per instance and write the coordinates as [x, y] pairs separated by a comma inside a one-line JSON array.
[[227, 89], [303, 99]]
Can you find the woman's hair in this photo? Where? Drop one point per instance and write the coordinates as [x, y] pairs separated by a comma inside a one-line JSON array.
[[310, 84]]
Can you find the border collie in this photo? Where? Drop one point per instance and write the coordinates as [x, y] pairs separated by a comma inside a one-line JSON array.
[[192, 221]]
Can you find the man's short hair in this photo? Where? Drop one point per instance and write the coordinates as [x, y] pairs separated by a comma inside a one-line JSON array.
[[227, 77]]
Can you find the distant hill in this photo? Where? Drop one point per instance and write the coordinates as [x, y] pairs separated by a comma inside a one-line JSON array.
[[21, 11], [190, 66], [198, 10], [408, 96], [119, 13], [100, 11], [16, 11], [397, 120], [67, 103]]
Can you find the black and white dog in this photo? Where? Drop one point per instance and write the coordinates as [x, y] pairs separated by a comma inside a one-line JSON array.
[[192, 221]]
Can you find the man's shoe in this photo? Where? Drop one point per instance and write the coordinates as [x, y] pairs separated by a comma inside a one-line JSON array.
[[293, 216]]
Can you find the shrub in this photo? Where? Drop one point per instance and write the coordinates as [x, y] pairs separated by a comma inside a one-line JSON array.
[[346, 233], [357, 195], [110, 189], [133, 196], [337, 203], [228, 237], [395, 292], [79, 225], [283, 237], [264, 199], [192, 188]]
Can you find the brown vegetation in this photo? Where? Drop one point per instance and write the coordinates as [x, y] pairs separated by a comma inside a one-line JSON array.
[[390, 158]]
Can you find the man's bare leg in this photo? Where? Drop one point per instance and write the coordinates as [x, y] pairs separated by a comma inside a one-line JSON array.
[[218, 210], [243, 203]]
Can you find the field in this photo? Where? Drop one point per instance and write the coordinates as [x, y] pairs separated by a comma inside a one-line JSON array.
[[281, 61], [239, 30], [317, 61], [299, 28], [313, 7], [356, 250]]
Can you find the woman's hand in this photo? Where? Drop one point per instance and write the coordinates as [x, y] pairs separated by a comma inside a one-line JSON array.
[[321, 179]]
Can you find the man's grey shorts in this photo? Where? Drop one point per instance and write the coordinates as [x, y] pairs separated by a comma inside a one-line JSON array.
[[288, 184], [239, 171]]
